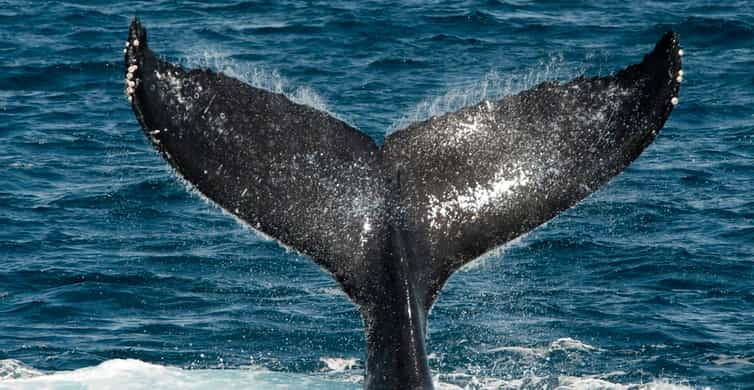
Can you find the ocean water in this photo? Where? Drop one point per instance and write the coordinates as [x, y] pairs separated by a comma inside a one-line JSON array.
[[113, 275]]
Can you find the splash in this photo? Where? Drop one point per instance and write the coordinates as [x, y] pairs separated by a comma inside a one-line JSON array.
[[338, 364], [495, 253], [493, 86], [258, 76]]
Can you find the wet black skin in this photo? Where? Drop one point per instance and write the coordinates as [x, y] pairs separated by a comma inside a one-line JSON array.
[[392, 224]]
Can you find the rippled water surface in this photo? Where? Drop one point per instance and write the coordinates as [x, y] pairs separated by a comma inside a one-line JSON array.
[[110, 268]]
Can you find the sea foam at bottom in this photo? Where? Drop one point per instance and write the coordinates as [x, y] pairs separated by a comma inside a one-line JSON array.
[[131, 374]]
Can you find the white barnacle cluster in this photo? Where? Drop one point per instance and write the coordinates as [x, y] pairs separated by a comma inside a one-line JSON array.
[[678, 78], [154, 133], [131, 82]]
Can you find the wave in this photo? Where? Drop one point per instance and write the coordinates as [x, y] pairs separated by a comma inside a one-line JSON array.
[[473, 18]]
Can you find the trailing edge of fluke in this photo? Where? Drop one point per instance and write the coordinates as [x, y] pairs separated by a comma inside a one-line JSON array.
[[392, 224]]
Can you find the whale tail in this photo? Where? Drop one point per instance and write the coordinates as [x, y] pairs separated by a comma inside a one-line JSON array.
[[392, 224]]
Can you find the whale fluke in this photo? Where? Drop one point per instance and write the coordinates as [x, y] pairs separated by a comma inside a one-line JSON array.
[[477, 178], [297, 174], [392, 224]]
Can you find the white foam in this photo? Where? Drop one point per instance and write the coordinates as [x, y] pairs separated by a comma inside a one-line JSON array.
[[132, 374], [14, 369], [532, 381], [477, 383], [338, 364], [569, 344], [594, 383], [562, 344]]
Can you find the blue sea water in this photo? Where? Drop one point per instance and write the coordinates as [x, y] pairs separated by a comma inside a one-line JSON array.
[[114, 275]]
